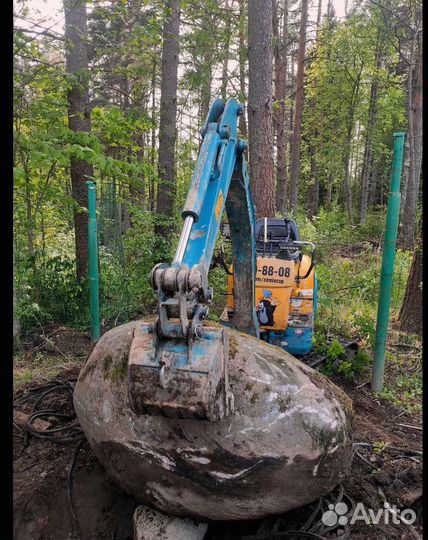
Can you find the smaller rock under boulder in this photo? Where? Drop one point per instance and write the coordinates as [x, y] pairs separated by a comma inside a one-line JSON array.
[[152, 525]]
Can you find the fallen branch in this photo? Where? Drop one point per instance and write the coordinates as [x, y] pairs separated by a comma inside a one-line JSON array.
[[52, 344], [419, 428], [28, 353], [364, 460], [406, 345], [404, 450]]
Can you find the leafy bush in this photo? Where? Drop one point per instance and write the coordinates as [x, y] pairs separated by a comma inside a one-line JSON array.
[[338, 362], [59, 291], [333, 227], [319, 343], [47, 291], [373, 228], [30, 313], [336, 350]]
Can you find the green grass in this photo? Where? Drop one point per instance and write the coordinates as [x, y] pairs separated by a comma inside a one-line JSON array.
[[405, 393], [349, 291], [39, 367], [403, 373]]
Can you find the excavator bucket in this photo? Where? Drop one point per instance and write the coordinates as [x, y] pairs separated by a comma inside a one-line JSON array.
[[176, 378]]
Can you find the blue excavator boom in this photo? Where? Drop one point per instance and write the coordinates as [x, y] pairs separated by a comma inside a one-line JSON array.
[[177, 366]]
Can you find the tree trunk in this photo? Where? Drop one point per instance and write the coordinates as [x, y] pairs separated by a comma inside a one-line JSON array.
[[29, 214], [153, 140], [205, 98], [405, 176], [260, 106], [410, 316], [224, 74], [168, 117], [368, 145], [79, 120], [347, 180], [407, 236], [16, 324], [374, 183], [280, 56], [297, 132], [348, 144], [242, 63], [138, 192], [291, 112], [315, 192], [329, 192]]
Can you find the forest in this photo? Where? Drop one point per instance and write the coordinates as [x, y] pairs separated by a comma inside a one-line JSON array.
[[120, 98], [117, 92]]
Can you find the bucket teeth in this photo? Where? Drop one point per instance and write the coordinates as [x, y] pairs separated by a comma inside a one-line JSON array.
[[162, 380]]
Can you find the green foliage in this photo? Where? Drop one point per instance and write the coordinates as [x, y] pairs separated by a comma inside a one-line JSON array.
[[338, 362], [59, 291], [124, 45], [342, 69], [335, 350], [48, 291], [319, 343], [360, 361], [348, 270], [30, 313], [218, 280], [404, 392], [364, 322]]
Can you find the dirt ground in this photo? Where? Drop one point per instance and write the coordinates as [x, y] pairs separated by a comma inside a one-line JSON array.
[[46, 496]]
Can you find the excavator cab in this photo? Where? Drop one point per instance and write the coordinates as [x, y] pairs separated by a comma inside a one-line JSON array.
[[286, 286]]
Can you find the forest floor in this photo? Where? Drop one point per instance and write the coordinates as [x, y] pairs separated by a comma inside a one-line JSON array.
[[50, 503]]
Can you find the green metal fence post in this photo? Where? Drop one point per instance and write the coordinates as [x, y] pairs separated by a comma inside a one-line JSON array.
[[94, 297], [390, 240]]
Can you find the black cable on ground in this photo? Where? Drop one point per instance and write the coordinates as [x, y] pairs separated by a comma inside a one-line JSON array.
[[33, 391], [72, 433], [312, 516], [75, 526], [63, 434], [313, 527]]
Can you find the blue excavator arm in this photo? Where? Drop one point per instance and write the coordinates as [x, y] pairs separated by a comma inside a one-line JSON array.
[[177, 366]]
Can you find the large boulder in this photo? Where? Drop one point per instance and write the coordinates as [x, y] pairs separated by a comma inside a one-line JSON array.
[[287, 443]]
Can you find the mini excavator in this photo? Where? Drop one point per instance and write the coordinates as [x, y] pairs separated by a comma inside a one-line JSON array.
[[286, 287], [178, 367]]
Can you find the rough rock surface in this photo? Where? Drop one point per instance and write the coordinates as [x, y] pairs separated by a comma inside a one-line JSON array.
[[153, 525], [287, 443]]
